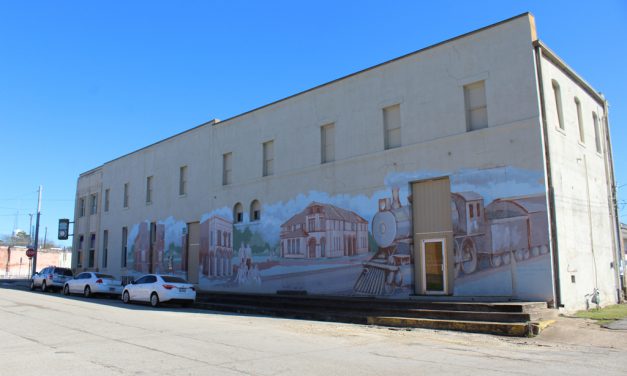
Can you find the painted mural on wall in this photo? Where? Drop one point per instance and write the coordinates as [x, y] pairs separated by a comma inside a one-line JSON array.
[[157, 247], [363, 245]]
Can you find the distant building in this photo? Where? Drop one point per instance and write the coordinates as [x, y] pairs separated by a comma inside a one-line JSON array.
[[323, 230], [15, 263]]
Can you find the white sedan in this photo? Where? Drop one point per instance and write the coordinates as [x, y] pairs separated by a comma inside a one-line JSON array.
[[156, 288], [89, 283]]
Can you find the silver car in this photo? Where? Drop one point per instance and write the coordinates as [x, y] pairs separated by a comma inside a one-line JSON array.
[[51, 278]]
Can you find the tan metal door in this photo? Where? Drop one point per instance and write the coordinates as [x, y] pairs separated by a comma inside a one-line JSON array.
[[193, 247], [431, 207]]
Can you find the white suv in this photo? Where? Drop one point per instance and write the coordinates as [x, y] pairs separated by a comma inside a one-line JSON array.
[[51, 278]]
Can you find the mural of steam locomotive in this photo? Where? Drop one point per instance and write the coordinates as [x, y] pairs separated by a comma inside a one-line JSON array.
[[514, 227], [507, 228], [390, 268]]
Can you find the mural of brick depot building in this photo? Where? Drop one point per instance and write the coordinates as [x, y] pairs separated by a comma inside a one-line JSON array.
[[448, 171]]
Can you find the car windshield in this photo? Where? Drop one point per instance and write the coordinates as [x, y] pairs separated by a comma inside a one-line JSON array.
[[105, 276], [168, 278], [67, 272]]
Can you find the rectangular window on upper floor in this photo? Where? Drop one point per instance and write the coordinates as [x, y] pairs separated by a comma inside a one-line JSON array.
[[227, 166], [476, 106], [93, 204], [81, 207], [106, 200], [182, 180], [392, 126], [126, 194], [327, 144], [268, 158], [149, 190]]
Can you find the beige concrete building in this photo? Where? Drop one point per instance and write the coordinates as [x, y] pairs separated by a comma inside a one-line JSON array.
[[481, 167]]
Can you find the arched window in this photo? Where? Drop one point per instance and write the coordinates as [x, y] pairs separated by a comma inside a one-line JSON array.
[[255, 210], [558, 104], [238, 213], [597, 132], [582, 137]]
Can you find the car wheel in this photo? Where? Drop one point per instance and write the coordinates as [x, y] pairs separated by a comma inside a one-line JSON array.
[[154, 299], [32, 285], [126, 298], [87, 292], [44, 288], [66, 290]]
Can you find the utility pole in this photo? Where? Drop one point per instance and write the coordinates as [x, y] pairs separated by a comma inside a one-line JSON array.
[[43, 246], [30, 230], [34, 270]]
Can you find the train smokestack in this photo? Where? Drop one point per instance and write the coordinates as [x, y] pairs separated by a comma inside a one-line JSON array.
[[396, 202]]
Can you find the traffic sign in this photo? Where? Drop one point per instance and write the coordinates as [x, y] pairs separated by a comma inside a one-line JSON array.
[[30, 253]]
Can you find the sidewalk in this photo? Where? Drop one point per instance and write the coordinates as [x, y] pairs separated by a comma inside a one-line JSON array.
[[15, 283], [616, 325]]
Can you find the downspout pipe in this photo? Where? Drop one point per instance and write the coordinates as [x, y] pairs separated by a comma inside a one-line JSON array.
[[611, 184], [549, 178]]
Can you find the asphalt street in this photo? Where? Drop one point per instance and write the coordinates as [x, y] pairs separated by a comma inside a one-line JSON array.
[[55, 335]]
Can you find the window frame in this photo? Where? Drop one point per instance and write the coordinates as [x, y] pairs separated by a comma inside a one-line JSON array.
[[227, 168], [388, 130], [327, 142], [470, 108], [149, 189], [124, 246], [268, 158], [91, 260], [81, 207], [126, 193], [597, 133], [107, 200], [238, 215], [105, 248], [93, 203], [255, 211], [580, 123], [183, 180], [559, 109]]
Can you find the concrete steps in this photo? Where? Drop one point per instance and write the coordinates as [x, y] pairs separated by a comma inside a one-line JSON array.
[[515, 329], [503, 318]]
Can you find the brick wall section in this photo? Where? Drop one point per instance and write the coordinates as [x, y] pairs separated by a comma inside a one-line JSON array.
[[17, 264]]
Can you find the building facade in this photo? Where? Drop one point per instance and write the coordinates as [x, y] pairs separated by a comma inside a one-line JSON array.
[[477, 167]]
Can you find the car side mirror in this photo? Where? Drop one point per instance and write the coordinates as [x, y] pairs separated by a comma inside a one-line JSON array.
[[132, 282]]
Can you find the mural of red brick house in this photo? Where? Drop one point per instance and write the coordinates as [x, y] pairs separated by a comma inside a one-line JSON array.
[[141, 247], [150, 240], [216, 247], [324, 230], [180, 263]]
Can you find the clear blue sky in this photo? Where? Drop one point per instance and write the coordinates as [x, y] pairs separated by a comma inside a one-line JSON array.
[[84, 82]]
